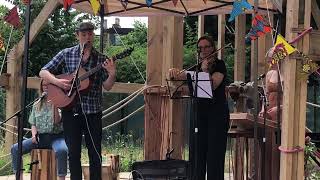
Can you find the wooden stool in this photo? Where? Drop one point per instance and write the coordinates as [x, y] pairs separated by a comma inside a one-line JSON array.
[[46, 168]]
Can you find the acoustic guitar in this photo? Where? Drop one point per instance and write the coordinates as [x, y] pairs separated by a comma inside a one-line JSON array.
[[65, 98]]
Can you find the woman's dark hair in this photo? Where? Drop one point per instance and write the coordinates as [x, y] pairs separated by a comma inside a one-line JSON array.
[[210, 40]]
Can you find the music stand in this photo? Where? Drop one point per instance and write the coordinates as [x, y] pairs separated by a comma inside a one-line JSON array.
[[199, 86]]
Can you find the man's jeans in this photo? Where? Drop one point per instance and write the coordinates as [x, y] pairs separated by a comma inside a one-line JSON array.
[[48, 141]]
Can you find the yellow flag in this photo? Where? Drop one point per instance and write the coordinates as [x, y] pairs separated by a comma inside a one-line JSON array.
[[287, 46], [95, 6]]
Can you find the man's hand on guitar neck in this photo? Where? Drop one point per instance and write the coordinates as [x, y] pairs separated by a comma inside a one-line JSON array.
[[110, 66]]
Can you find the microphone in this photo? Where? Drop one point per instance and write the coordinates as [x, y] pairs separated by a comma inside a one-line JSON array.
[[262, 76], [83, 46], [189, 82], [44, 94]]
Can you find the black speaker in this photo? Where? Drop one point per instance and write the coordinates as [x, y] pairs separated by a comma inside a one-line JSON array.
[[161, 170]]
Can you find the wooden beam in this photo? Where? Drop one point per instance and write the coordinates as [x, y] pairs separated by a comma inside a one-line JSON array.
[[315, 12], [155, 48], [294, 108], [39, 21], [152, 138], [221, 34], [173, 58], [200, 26], [240, 48]]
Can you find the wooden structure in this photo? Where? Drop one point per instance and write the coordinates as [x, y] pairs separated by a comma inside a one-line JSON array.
[[44, 164], [165, 51]]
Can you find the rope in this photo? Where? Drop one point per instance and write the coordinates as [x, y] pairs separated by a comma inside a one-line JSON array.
[[118, 103], [291, 150], [120, 107], [125, 118], [130, 56], [26, 129], [312, 104]]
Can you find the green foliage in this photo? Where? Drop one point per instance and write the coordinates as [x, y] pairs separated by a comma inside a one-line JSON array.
[[129, 149], [138, 37], [311, 169], [129, 67]]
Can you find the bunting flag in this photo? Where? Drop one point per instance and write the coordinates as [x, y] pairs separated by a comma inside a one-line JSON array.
[[175, 2], [12, 17], [124, 3], [281, 40], [239, 6], [95, 4], [149, 3], [67, 4], [259, 28], [1, 43]]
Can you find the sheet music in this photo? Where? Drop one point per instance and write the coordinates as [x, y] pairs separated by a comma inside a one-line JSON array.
[[204, 84]]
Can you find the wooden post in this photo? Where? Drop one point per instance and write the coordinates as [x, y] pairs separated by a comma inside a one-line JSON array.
[[173, 56], [152, 139], [163, 128], [200, 26], [240, 48], [221, 34], [13, 99], [294, 106], [239, 75]]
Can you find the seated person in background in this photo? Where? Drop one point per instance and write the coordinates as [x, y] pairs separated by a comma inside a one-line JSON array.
[[46, 128], [271, 90]]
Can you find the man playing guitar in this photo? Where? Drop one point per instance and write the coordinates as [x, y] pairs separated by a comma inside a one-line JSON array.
[[84, 117]]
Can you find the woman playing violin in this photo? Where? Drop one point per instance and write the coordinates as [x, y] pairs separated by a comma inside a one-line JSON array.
[[212, 114]]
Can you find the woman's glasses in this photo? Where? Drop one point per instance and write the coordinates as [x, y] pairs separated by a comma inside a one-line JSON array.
[[200, 48]]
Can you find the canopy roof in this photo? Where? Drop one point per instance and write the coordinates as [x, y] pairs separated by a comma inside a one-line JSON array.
[[166, 7]]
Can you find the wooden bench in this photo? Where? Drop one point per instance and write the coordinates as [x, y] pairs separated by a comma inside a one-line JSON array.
[[43, 164]]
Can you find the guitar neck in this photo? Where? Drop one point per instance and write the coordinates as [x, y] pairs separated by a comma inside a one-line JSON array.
[[90, 72]]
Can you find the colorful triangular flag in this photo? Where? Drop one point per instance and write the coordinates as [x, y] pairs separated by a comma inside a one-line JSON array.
[[149, 3], [95, 4], [67, 4], [281, 40], [124, 3], [1, 43], [12, 17], [175, 2], [239, 6], [259, 28]]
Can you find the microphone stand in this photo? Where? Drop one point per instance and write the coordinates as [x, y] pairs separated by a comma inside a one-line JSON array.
[[265, 105], [194, 125], [19, 112]]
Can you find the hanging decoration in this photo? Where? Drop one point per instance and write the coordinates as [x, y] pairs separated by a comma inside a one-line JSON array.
[[1, 43], [124, 4], [149, 3], [281, 49], [67, 4], [308, 66], [259, 28], [95, 4], [12, 17], [175, 2], [239, 6]]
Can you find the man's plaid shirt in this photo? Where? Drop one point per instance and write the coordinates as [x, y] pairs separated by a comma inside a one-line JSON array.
[[66, 61]]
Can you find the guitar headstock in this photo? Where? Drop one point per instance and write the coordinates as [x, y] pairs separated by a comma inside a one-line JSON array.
[[124, 53]]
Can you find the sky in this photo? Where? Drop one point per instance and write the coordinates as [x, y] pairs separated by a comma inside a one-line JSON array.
[[125, 22]]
